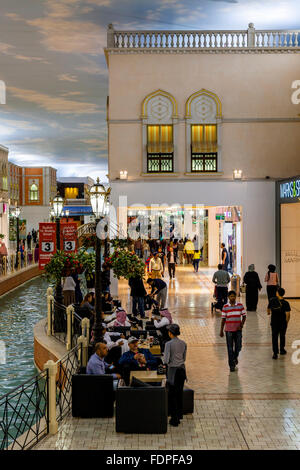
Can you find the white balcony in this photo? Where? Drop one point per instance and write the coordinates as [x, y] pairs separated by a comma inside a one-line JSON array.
[[77, 202], [204, 40]]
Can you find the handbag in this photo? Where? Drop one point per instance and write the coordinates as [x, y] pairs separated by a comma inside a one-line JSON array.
[[243, 288]]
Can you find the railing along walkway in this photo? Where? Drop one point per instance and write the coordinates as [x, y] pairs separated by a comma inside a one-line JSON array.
[[9, 266]]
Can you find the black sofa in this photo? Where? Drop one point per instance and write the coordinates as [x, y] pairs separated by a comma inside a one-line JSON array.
[[92, 396], [142, 410]]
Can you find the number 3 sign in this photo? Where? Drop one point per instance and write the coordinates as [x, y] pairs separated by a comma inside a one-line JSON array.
[[68, 237], [47, 246]]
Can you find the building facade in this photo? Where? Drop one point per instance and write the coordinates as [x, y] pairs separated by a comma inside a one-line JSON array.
[[204, 119], [75, 191], [38, 188]]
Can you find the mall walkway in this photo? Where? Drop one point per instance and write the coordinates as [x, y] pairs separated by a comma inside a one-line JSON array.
[[255, 407]]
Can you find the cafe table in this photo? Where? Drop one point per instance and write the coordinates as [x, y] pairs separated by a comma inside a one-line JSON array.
[[147, 375], [154, 349]]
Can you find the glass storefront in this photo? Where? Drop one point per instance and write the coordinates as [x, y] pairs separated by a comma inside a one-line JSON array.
[[288, 235]]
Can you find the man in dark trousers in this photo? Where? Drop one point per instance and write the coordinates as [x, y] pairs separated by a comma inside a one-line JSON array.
[[29, 237], [280, 311], [233, 319], [159, 289], [225, 257], [138, 293], [174, 358]]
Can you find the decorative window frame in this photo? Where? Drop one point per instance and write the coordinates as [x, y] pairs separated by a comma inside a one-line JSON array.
[[203, 107], [30, 183], [152, 114]]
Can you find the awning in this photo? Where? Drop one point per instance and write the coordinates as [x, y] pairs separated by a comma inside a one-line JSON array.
[[78, 210], [204, 147], [160, 147]]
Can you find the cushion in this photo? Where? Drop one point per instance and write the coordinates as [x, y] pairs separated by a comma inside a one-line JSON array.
[[135, 383]]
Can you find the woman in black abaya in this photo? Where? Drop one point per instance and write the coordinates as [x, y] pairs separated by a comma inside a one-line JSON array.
[[253, 285]]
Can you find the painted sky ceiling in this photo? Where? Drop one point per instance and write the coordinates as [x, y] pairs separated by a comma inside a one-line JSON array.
[[53, 65]]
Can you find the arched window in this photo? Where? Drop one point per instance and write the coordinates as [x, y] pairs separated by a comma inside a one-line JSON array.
[[34, 192], [159, 115], [203, 117]]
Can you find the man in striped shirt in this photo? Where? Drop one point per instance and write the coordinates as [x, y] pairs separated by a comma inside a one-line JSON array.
[[233, 318]]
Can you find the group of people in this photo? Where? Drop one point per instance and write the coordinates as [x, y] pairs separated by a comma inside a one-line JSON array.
[[71, 285], [183, 250], [251, 281], [138, 358], [234, 313]]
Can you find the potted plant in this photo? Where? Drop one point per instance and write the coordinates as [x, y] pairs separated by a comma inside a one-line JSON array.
[[125, 264]]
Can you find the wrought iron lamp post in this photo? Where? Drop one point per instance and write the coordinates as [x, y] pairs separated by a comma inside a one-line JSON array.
[[57, 206], [17, 214], [98, 197]]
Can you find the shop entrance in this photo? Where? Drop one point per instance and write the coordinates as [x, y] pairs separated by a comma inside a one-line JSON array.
[[207, 226]]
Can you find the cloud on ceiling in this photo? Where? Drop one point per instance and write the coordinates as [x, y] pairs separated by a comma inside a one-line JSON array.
[[52, 103]]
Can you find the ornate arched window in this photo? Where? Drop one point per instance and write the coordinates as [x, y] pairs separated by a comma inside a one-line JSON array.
[[203, 118], [159, 116], [34, 192]]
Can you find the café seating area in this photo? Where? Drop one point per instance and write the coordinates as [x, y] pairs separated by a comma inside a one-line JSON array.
[[140, 404]]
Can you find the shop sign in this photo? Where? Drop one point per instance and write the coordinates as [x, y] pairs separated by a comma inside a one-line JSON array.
[[47, 242], [13, 231], [290, 190], [22, 229], [68, 237]]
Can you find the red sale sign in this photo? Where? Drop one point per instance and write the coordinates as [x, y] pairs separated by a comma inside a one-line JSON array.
[[68, 237], [47, 242]]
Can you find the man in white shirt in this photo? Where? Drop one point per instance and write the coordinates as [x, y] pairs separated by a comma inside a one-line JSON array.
[[171, 263], [156, 267]]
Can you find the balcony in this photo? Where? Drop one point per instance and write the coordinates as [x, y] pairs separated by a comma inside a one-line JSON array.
[[77, 202], [201, 41]]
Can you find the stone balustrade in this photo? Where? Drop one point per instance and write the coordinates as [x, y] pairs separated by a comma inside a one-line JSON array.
[[222, 39]]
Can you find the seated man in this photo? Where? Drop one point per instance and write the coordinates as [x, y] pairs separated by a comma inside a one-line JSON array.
[[119, 340], [97, 364], [136, 359], [161, 325]]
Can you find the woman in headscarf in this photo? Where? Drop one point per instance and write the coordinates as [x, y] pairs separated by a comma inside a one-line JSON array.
[[253, 285]]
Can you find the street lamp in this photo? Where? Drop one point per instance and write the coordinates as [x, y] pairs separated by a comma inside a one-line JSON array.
[[57, 207], [17, 214], [98, 197], [52, 215]]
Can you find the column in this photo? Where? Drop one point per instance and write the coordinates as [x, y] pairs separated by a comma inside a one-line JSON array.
[[213, 238]]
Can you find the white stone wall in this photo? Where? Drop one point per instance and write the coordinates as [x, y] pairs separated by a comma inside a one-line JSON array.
[[34, 215], [259, 128]]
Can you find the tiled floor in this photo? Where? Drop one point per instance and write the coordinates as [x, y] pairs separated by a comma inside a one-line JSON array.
[[256, 407]]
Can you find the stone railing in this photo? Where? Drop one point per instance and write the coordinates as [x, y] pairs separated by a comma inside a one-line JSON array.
[[9, 264], [222, 39]]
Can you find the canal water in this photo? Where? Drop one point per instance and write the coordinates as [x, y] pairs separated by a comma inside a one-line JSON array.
[[20, 310]]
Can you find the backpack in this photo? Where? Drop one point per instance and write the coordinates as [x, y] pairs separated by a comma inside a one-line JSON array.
[[276, 306]]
